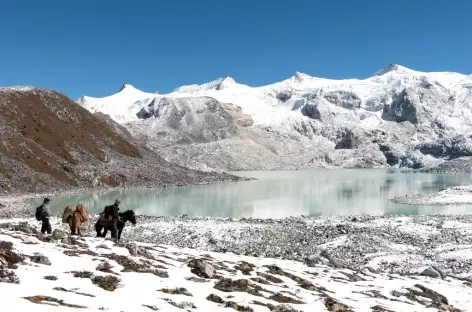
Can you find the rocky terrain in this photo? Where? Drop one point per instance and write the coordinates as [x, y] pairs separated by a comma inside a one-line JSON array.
[[391, 244], [50, 143], [39, 271], [398, 117]]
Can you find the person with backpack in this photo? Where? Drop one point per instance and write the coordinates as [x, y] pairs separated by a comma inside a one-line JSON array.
[[112, 211], [43, 213]]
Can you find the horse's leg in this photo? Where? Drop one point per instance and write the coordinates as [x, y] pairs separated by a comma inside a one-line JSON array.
[[98, 228], [105, 231], [72, 227], [120, 229]]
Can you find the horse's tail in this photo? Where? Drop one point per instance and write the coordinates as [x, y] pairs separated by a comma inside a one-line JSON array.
[[73, 226], [72, 223]]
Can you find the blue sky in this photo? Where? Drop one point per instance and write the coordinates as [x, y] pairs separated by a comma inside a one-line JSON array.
[[93, 47]]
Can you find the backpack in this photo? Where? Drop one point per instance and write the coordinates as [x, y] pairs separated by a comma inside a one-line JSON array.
[[39, 213]]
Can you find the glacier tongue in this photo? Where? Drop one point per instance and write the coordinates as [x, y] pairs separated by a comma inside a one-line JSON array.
[[302, 121]]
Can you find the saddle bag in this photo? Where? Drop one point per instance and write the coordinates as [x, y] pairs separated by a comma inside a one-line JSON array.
[[68, 211], [101, 217]]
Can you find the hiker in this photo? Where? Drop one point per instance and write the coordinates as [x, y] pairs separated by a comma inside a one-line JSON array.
[[112, 211], [43, 213]]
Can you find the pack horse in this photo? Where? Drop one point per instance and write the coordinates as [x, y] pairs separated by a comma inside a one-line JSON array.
[[75, 217], [113, 220]]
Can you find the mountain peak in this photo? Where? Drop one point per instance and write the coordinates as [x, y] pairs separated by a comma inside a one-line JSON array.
[[126, 86], [224, 82], [218, 84], [393, 68], [300, 77]]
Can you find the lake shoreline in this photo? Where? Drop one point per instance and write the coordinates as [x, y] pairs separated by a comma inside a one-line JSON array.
[[397, 244], [275, 194], [458, 195]]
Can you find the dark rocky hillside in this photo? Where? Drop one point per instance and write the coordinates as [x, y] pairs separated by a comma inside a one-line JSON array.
[[48, 142]]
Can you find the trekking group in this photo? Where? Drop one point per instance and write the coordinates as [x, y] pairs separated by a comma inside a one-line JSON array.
[[110, 219]]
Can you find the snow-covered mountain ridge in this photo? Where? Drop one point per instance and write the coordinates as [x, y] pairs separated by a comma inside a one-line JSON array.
[[397, 117]]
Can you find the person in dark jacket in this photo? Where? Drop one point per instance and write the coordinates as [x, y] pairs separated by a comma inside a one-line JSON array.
[[46, 225], [113, 212]]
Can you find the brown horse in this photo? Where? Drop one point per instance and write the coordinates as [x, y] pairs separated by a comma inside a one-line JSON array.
[[77, 218]]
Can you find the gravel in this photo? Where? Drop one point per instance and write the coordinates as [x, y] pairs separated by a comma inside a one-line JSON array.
[[394, 244]]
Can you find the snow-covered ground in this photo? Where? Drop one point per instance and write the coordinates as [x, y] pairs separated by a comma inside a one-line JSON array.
[[48, 271]]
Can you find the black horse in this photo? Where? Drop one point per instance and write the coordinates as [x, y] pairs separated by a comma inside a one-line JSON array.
[[126, 216]]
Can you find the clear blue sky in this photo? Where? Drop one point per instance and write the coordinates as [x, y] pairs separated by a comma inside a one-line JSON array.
[[93, 47]]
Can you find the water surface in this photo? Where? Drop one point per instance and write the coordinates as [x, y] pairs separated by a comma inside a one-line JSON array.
[[278, 194]]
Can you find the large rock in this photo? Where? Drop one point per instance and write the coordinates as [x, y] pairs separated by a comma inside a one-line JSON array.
[[430, 272], [201, 268], [229, 285], [25, 228], [40, 259], [132, 248], [60, 235], [283, 308]]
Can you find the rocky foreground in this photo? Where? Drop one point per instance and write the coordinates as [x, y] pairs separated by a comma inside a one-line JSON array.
[[94, 274]]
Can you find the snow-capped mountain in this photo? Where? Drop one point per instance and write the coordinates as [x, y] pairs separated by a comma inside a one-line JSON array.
[[398, 117]]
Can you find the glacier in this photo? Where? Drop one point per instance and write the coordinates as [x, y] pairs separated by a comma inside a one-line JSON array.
[[398, 117]]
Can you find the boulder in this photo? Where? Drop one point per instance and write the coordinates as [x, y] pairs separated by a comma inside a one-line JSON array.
[[321, 258], [201, 268], [40, 259], [431, 273], [283, 308], [229, 285], [132, 248], [434, 272], [25, 228], [60, 235], [3, 262]]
